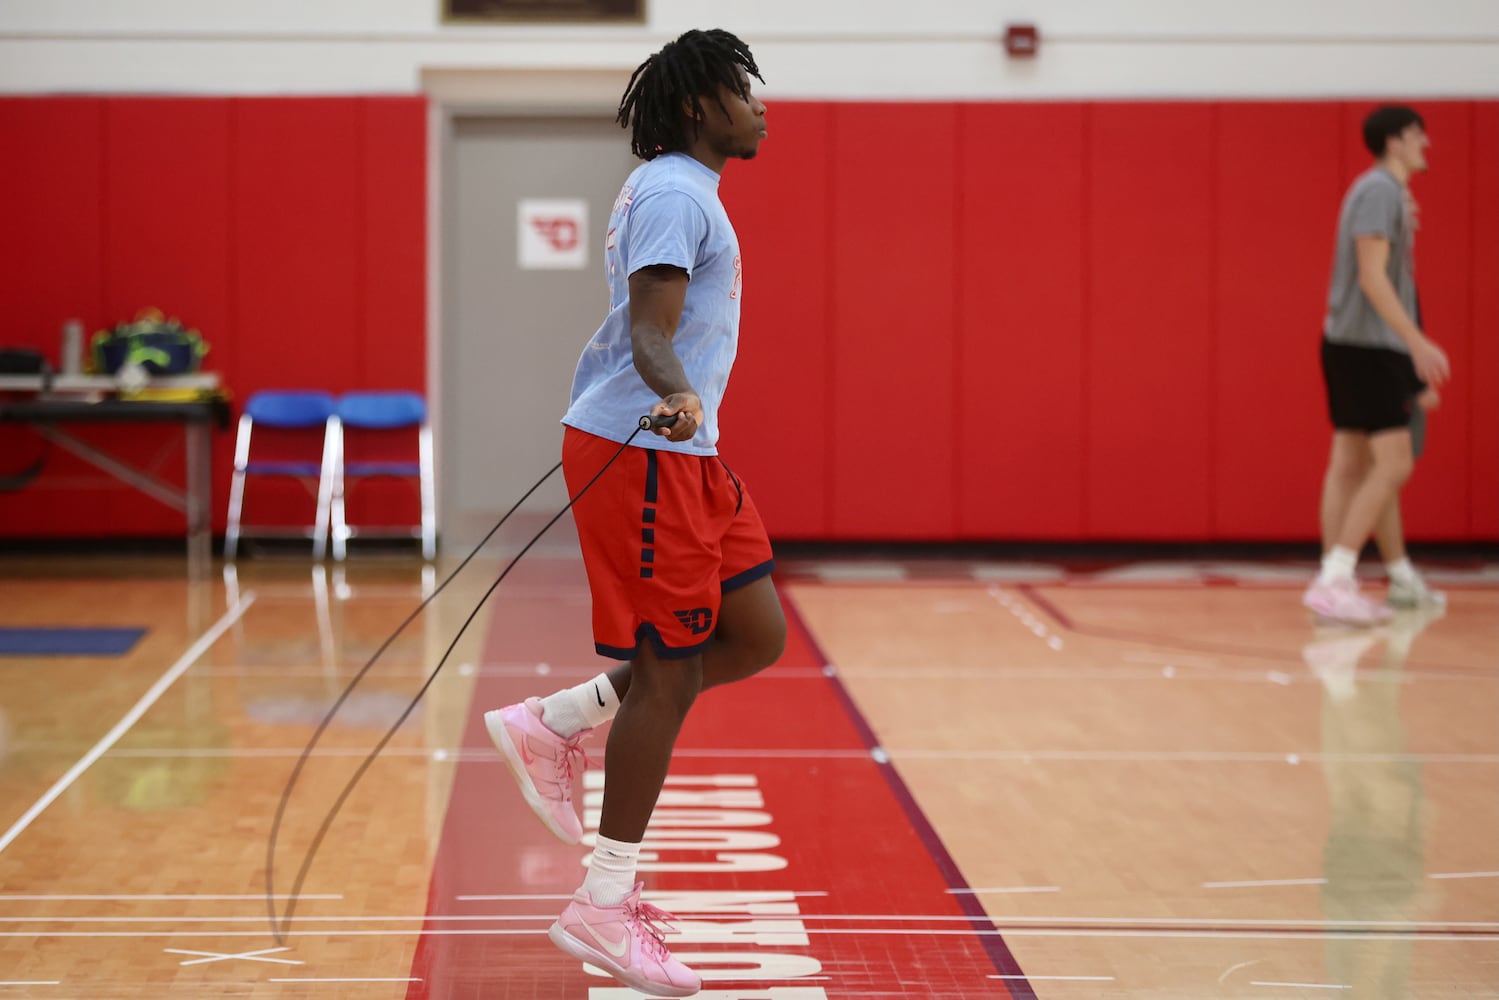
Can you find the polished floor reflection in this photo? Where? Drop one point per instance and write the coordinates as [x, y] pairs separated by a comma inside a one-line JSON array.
[[963, 780], [1194, 791]]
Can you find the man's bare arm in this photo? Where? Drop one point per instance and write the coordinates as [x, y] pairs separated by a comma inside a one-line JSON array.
[[1374, 280], [657, 294]]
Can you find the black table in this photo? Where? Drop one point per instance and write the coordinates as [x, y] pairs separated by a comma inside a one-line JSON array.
[[198, 418]]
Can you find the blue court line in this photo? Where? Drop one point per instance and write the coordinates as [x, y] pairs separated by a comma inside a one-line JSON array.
[[68, 641]]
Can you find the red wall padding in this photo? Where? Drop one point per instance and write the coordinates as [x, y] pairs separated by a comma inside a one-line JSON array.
[[1272, 244], [891, 409], [298, 219], [1116, 306], [777, 406], [961, 321], [1150, 339], [1437, 497], [167, 245], [1019, 367], [291, 232], [51, 267], [1483, 326]]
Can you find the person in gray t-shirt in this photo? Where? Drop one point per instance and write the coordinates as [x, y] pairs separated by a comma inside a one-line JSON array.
[[1377, 365], [1378, 205]]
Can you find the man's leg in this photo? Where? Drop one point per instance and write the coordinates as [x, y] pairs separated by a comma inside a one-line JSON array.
[[1389, 533], [1347, 465], [1391, 466], [751, 636], [607, 924], [1334, 595], [640, 741], [655, 696], [1408, 589]]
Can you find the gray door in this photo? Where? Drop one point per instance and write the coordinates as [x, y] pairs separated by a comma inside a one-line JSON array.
[[512, 334]]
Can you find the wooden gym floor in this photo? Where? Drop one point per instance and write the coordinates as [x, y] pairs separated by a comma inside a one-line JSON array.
[[964, 779]]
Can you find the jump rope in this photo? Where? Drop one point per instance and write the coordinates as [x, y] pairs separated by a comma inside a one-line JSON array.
[[281, 925]]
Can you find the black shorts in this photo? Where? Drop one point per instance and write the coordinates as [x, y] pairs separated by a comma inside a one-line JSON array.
[[1369, 389]]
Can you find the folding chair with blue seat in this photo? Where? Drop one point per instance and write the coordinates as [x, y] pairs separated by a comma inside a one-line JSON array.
[[385, 411], [288, 410]]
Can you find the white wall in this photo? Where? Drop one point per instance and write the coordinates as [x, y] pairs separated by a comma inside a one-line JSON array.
[[851, 49]]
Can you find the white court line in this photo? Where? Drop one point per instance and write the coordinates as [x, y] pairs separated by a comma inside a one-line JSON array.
[[1235, 968], [1018, 888], [1303, 986], [210, 957], [768, 754], [498, 918], [1168, 659], [343, 980], [553, 897], [487, 899], [274, 752], [300, 592], [1058, 979], [859, 572], [389, 671], [689, 914], [1037, 626], [477, 756], [1194, 756], [816, 753], [1266, 882], [1188, 922], [1245, 675], [1185, 935], [1213, 922], [153, 898], [1016, 573], [35, 982], [277, 673], [1086, 756], [133, 716], [1465, 875]]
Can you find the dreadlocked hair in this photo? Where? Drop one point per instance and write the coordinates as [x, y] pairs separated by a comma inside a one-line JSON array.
[[682, 74]]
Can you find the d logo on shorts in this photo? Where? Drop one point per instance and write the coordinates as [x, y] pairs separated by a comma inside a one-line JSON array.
[[698, 620]]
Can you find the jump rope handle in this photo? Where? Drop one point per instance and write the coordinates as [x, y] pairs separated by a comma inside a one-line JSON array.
[[660, 420]]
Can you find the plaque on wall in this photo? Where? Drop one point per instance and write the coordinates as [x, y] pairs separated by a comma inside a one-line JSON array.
[[565, 11]]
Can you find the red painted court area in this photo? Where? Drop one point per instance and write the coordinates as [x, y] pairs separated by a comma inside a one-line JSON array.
[[796, 862]]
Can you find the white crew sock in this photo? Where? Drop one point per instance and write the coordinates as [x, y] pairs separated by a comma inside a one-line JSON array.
[[1337, 565], [572, 710], [611, 876], [1402, 572]]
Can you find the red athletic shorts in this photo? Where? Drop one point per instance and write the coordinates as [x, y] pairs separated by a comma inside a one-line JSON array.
[[664, 537]]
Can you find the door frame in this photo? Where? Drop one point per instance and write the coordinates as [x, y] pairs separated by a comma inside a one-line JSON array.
[[456, 94]]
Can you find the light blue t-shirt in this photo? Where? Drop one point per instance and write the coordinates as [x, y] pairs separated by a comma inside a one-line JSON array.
[[668, 212]]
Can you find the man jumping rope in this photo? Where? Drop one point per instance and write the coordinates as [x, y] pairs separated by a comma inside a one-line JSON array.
[[677, 559]]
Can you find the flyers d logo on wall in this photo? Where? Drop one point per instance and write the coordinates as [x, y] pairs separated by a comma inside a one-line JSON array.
[[560, 233], [552, 233]]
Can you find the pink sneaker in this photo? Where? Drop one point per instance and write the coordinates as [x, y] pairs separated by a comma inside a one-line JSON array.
[[543, 764], [1340, 601], [626, 941]]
